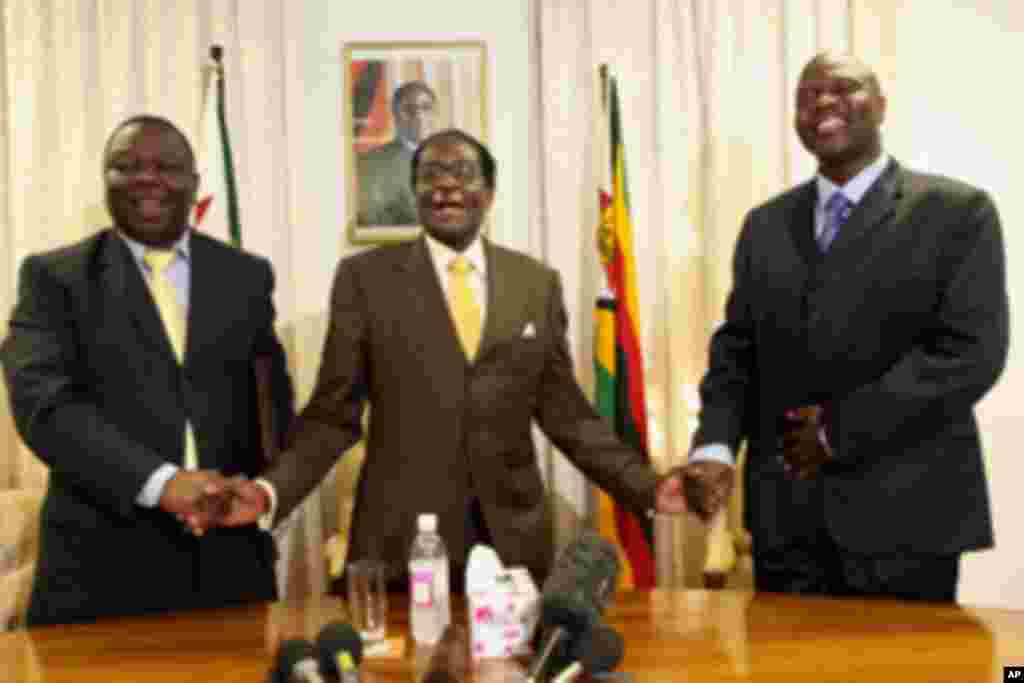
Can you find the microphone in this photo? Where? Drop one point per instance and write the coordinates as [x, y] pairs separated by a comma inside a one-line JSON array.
[[582, 580], [296, 663], [339, 650], [599, 650]]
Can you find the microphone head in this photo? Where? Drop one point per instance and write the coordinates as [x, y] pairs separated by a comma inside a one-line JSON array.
[[581, 580], [334, 639], [290, 653], [599, 650]]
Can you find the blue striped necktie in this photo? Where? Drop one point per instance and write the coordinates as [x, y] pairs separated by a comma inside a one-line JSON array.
[[837, 210]]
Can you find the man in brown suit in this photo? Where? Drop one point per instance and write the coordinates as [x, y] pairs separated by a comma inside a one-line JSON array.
[[450, 426]]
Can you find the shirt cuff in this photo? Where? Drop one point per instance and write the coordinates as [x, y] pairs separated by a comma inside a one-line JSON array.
[[266, 520], [823, 438], [153, 489], [714, 452]]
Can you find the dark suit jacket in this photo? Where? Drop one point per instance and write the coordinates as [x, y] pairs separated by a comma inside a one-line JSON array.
[[443, 429], [385, 190], [902, 327], [97, 395]]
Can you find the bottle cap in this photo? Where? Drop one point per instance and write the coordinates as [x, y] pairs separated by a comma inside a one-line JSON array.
[[427, 522]]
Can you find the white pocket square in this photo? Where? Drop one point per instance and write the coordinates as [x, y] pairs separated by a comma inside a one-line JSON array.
[[529, 332]]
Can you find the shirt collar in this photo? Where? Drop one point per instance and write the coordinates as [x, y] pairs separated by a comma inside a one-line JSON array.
[[857, 186], [441, 254], [138, 249]]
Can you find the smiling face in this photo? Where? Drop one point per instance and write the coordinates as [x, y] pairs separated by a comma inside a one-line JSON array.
[[452, 191], [150, 179], [839, 109]]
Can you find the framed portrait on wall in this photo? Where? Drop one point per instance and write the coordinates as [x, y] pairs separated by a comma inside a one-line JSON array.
[[395, 95]]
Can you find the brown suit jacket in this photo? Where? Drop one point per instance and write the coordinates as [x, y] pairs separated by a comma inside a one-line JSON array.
[[442, 429]]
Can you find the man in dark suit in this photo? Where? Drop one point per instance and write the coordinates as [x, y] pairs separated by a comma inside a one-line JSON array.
[[137, 424], [452, 405], [385, 197], [860, 332]]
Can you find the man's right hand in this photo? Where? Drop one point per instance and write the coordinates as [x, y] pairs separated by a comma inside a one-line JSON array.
[[707, 485], [196, 497]]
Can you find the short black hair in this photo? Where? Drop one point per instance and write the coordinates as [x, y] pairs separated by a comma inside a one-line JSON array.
[[488, 166], [406, 89], [150, 120]]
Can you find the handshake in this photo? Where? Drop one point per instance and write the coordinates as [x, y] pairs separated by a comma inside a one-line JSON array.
[[802, 447], [203, 499]]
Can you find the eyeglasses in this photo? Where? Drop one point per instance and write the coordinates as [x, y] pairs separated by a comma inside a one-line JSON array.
[[463, 171]]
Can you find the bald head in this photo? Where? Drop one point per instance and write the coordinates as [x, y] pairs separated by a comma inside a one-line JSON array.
[[832, 59], [839, 111]]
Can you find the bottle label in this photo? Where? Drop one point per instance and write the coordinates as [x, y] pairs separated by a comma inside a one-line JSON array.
[[422, 588]]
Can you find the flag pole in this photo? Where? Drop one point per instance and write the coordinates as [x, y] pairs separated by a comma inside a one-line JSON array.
[[231, 188]]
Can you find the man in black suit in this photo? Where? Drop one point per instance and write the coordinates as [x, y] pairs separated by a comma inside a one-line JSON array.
[[143, 406], [859, 334]]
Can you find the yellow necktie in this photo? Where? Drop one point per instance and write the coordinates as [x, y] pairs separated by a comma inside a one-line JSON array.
[[174, 324], [166, 299], [465, 310]]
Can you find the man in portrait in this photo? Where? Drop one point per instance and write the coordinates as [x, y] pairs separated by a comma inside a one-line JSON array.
[[382, 173]]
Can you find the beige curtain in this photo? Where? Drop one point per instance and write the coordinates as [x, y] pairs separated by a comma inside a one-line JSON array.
[[706, 94], [71, 71]]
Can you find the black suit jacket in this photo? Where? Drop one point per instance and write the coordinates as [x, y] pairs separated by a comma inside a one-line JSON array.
[[902, 327], [98, 395], [443, 429]]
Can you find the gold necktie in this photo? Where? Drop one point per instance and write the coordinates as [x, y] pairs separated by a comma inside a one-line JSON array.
[[166, 299], [174, 325], [465, 310]]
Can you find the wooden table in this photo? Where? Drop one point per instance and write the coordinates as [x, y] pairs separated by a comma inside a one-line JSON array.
[[676, 636]]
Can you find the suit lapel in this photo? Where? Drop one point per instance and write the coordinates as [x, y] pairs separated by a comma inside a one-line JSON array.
[[123, 281], [429, 315], [504, 300], [874, 210], [205, 296], [801, 224]]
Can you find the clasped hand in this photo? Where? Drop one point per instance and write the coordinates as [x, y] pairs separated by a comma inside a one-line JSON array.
[[202, 499], [802, 450]]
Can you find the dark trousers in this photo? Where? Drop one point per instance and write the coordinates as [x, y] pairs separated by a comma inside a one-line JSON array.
[[476, 532], [819, 566]]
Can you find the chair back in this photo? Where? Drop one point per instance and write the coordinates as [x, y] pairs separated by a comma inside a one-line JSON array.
[[19, 547]]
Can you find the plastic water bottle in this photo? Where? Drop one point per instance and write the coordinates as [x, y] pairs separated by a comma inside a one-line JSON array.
[[429, 589]]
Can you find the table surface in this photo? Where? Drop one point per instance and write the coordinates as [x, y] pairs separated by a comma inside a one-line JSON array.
[[673, 636]]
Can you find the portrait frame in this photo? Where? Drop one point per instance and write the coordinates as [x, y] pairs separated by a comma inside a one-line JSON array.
[[376, 148]]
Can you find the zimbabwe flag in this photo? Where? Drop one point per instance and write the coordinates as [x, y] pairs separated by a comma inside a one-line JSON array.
[[618, 364]]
